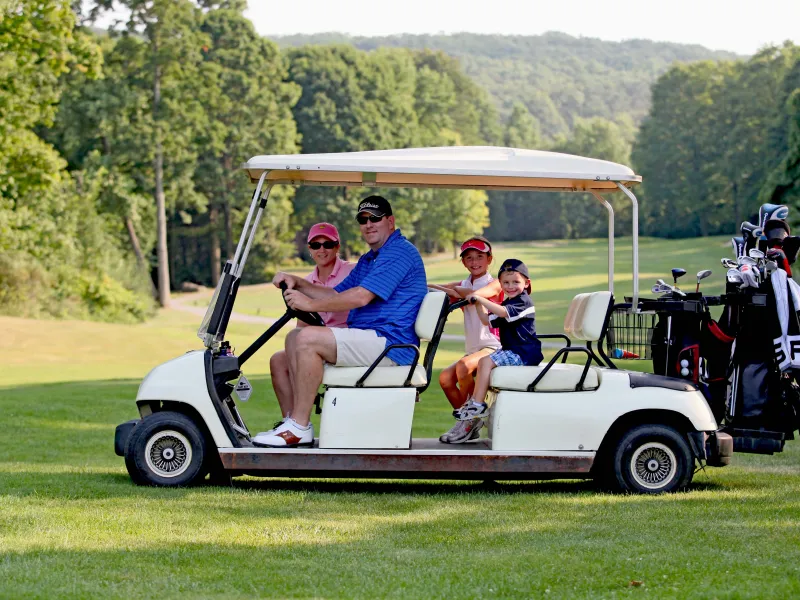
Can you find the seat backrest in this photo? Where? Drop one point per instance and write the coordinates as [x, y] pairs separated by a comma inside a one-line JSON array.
[[586, 316], [429, 313]]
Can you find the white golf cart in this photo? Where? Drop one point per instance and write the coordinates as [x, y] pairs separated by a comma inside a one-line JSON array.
[[633, 431]]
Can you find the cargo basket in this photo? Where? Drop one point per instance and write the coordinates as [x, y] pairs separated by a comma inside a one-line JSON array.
[[630, 334]]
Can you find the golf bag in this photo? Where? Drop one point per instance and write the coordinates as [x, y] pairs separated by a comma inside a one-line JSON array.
[[691, 345]]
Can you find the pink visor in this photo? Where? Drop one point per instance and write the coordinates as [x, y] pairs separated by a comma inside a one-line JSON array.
[[475, 244], [325, 230]]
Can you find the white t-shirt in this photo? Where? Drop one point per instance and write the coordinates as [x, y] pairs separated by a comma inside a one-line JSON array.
[[476, 333]]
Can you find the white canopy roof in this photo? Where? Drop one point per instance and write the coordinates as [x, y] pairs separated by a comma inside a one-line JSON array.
[[478, 167]]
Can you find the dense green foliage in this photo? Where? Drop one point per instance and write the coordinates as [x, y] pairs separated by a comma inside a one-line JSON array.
[[119, 152], [58, 251], [721, 139], [557, 77]]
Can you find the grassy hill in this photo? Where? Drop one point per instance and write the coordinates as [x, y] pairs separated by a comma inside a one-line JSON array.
[[557, 76]]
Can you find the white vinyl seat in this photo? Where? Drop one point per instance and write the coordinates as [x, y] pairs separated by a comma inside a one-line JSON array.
[[585, 321], [559, 378], [428, 317]]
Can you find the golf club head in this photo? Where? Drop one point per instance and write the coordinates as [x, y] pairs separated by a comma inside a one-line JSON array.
[[660, 282], [772, 211], [738, 245], [733, 276], [678, 273], [751, 234], [746, 260], [728, 263], [756, 254], [703, 274], [770, 268]]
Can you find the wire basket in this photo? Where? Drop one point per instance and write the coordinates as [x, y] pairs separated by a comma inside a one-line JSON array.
[[630, 334]]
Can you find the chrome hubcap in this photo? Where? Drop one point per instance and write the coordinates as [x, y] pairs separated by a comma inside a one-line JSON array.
[[653, 465], [168, 453]]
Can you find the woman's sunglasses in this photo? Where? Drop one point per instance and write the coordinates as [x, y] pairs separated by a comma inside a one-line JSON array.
[[372, 219], [326, 245]]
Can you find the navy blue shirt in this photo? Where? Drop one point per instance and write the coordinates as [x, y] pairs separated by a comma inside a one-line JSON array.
[[395, 274], [518, 331]]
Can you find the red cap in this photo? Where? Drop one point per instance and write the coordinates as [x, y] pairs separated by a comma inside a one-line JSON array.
[[478, 243], [325, 230]]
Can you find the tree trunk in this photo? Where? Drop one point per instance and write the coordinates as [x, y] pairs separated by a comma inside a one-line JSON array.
[[161, 210], [216, 251]]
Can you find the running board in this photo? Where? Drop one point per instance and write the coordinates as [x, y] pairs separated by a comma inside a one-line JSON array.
[[427, 459]]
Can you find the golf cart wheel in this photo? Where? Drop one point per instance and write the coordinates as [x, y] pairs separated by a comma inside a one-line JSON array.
[[166, 449], [652, 459]]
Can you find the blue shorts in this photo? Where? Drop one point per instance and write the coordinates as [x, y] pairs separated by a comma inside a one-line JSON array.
[[506, 358]]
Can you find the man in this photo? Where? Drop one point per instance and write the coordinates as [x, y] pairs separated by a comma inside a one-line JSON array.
[[383, 294]]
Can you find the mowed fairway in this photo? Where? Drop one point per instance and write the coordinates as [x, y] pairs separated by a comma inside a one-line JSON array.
[[73, 525]]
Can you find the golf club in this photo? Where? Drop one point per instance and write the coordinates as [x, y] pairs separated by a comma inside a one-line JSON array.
[[700, 276], [728, 263], [676, 274]]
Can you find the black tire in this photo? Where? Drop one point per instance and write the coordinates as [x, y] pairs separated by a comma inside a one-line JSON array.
[[650, 459], [166, 449]]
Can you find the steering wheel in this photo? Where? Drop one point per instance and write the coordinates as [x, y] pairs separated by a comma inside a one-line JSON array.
[[309, 318]]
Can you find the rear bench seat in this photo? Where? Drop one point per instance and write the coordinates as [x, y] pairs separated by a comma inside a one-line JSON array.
[[585, 321]]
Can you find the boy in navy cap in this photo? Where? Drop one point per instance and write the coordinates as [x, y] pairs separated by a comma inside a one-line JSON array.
[[520, 347]]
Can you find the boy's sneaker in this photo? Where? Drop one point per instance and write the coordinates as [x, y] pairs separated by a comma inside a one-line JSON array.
[[471, 410], [287, 435], [463, 431]]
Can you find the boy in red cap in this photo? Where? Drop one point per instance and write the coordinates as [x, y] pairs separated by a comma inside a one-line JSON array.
[[458, 380]]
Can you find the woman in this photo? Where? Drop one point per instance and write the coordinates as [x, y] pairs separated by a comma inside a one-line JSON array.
[[323, 244]]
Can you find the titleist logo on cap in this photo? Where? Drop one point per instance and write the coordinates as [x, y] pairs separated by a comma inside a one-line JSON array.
[[368, 205]]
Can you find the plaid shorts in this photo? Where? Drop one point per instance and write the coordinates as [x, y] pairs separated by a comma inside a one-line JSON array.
[[506, 358]]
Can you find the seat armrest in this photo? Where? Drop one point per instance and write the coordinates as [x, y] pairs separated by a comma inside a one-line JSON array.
[[565, 351], [363, 378], [553, 336]]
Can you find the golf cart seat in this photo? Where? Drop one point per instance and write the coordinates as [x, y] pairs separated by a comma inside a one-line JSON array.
[[585, 320], [428, 326]]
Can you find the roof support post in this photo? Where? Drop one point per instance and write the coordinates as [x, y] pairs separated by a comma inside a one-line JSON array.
[[635, 235], [261, 206], [610, 210], [253, 205]]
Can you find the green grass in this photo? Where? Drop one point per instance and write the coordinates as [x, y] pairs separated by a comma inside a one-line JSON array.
[[73, 525]]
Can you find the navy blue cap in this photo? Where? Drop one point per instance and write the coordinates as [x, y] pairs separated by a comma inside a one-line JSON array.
[[513, 264]]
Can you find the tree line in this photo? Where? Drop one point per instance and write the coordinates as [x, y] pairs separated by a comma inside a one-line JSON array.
[[721, 139], [119, 152]]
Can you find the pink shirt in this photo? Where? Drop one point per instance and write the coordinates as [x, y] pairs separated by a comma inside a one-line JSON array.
[[341, 269]]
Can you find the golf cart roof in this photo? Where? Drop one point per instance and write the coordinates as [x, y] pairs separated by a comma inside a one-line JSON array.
[[466, 167]]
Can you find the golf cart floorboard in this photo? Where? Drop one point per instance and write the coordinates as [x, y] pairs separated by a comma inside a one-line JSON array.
[[426, 459]]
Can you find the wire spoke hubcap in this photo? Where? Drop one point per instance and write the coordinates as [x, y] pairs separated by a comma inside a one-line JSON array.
[[168, 453], [653, 465]]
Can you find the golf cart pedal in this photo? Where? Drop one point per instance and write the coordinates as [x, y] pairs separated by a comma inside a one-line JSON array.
[[241, 430]]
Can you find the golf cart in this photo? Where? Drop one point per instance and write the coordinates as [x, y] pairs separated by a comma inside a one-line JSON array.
[[633, 431]]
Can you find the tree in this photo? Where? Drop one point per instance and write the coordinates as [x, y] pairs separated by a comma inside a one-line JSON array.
[[172, 54], [248, 107]]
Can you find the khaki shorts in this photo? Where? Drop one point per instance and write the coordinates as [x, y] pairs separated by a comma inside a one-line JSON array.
[[359, 348]]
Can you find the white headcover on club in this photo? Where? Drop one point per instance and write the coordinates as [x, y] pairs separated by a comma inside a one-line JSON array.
[[783, 286], [749, 276]]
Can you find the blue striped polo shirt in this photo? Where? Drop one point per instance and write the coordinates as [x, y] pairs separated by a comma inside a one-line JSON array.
[[395, 274]]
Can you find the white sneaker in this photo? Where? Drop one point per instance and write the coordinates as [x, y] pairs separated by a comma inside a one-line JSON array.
[[463, 431], [274, 427], [471, 410], [287, 435]]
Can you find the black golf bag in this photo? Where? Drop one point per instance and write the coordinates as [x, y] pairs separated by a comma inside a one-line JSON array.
[[688, 344]]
